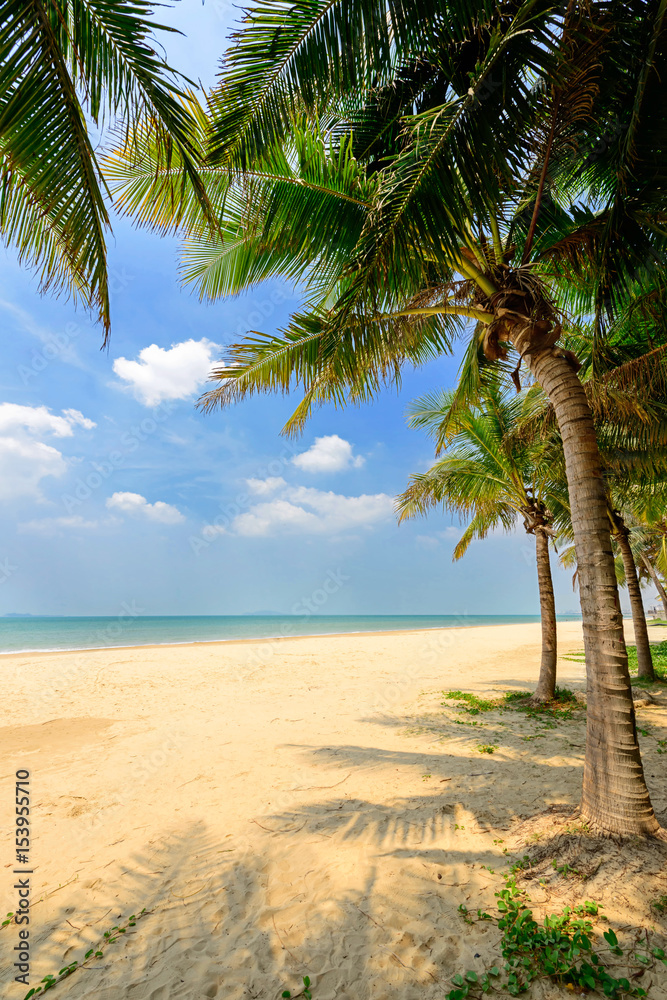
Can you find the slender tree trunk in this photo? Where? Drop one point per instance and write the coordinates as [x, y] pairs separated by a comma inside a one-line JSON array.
[[657, 582], [546, 684], [644, 658], [615, 798]]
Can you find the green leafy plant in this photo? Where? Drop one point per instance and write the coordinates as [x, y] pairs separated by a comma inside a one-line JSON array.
[[91, 955], [560, 949], [487, 747], [305, 992], [564, 869], [659, 904], [10, 917]]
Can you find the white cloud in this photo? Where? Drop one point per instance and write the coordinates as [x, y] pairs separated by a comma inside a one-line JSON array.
[[134, 503], [24, 459], [328, 454], [264, 487], [303, 510], [40, 420], [173, 373]]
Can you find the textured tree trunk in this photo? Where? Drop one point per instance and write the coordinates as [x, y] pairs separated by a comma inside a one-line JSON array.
[[657, 582], [546, 684], [615, 798], [644, 658]]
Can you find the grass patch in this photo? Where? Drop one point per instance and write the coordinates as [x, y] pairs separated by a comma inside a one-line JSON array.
[[561, 707], [658, 652], [470, 702], [659, 655]]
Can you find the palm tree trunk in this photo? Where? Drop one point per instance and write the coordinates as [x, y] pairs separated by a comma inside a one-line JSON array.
[[615, 798], [656, 581], [546, 684], [644, 658]]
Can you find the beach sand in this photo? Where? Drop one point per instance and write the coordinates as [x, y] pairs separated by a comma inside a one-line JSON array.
[[299, 807]]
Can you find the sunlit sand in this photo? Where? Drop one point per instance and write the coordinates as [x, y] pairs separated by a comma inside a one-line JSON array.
[[297, 807]]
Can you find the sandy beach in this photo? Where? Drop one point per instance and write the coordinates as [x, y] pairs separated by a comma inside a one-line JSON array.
[[301, 807]]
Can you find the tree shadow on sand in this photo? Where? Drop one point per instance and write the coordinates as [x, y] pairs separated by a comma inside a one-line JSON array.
[[360, 895]]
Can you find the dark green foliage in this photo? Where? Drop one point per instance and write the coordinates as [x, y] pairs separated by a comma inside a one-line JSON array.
[[63, 64], [561, 949], [306, 992]]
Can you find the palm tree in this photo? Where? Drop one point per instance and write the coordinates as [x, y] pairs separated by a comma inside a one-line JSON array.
[[627, 575], [488, 474], [65, 64], [442, 186], [621, 535], [646, 510]]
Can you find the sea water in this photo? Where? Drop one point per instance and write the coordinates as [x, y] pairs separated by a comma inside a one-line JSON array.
[[35, 633]]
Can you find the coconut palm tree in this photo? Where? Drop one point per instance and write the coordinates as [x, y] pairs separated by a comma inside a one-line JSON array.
[[646, 513], [491, 477], [467, 162], [65, 64]]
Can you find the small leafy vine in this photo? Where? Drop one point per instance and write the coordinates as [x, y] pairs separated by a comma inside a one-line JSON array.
[[560, 949], [93, 953]]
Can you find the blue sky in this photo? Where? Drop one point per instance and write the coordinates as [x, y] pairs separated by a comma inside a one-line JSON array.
[[115, 490]]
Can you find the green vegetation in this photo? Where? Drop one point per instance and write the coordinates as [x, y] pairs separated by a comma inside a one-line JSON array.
[[305, 992], [557, 709], [91, 956], [659, 655], [420, 173], [471, 703], [65, 67], [561, 948], [487, 747]]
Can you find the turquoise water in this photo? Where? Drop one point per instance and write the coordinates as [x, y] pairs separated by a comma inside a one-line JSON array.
[[43, 633]]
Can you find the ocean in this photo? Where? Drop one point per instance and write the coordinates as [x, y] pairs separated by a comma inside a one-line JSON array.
[[33, 634]]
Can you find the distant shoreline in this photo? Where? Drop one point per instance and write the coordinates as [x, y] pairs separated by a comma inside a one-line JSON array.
[[272, 638]]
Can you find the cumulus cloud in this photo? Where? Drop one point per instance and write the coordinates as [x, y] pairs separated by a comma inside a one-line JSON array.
[[40, 420], [24, 459], [303, 510], [265, 487], [173, 373], [134, 503], [329, 454]]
